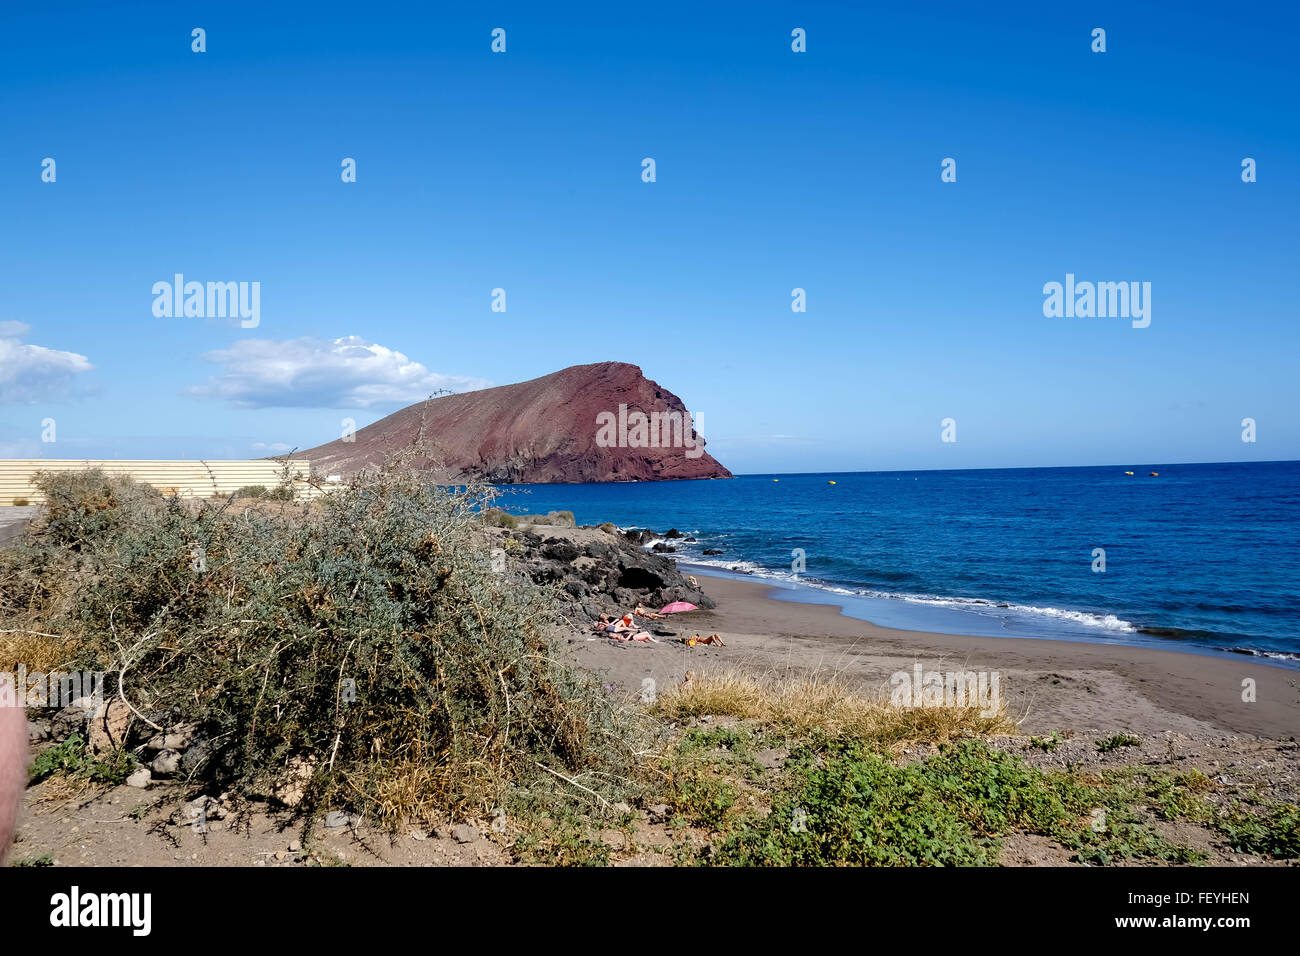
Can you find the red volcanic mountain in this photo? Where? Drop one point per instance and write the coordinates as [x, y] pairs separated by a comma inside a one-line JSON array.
[[564, 427]]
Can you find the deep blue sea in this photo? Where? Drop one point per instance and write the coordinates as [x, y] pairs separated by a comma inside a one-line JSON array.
[[1203, 557]]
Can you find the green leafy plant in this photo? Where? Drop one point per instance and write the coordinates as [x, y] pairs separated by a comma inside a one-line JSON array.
[[1116, 741], [844, 803], [69, 756], [1275, 832], [72, 758]]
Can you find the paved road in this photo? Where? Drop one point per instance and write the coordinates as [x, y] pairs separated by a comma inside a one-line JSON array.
[[13, 519]]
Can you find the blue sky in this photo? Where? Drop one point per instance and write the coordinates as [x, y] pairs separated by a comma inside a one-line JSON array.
[[775, 170]]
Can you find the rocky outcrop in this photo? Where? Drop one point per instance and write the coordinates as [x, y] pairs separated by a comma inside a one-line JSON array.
[[598, 572], [577, 425]]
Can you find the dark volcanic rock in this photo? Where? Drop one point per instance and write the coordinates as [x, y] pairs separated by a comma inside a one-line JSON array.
[[544, 430], [600, 550], [559, 549], [603, 576]]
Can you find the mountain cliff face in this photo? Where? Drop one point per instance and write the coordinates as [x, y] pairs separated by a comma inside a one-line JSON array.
[[602, 422]]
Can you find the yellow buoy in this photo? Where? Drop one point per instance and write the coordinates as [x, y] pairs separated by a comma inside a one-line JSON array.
[[1128, 472], [830, 482], [776, 479], [1155, 474]]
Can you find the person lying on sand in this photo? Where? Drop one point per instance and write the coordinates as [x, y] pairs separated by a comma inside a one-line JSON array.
[[641, 636], [605, 620], [623, 629], [642, 612], [696, 639]]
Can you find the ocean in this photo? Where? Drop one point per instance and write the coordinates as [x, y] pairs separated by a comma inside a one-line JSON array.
[[1203, 557]]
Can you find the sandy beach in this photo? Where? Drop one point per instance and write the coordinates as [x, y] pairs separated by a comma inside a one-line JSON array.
[[1052, 685]]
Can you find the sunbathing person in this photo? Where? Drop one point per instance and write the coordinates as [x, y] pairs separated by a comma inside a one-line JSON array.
[[621, 626], [642, 612], [640, 636], [624, 630], [696, 639]]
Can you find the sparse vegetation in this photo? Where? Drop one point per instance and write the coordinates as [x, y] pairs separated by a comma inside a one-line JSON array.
[[1109, 744], [560, 836], [848, 794], [496, 518]]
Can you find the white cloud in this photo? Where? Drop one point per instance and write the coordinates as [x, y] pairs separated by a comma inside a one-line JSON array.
[[313, 373], [33, 373], [272, 446]]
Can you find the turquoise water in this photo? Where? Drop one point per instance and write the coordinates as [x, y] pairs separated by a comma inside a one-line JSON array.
[[1203, 556]]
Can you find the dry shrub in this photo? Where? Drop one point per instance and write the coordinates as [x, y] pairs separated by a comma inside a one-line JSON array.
[[90, 504], [364, 636]]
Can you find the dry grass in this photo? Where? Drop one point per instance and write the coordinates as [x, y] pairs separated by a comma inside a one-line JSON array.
[[52, 795], [33, 650], [827, 704]]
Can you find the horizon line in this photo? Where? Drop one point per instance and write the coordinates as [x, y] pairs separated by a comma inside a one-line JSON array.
[[888, 471]]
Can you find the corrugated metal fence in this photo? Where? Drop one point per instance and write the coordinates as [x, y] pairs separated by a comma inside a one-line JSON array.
[[189, 479]]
